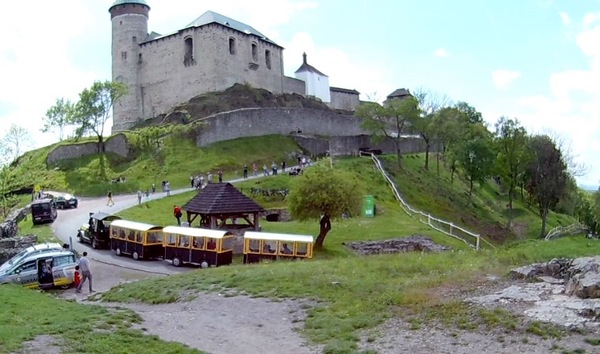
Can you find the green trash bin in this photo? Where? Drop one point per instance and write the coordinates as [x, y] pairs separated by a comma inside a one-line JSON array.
[[369, 206]]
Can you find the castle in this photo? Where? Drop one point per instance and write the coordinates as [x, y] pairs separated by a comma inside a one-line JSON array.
[[210, 54]]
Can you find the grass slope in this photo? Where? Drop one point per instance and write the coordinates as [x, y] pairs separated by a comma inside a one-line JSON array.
[[75, 328]]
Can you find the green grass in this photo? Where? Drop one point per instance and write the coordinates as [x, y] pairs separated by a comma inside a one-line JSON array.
[[43, 232], [75, 328], [355, 293]]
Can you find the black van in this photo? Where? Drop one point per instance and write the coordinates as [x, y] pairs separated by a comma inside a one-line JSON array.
[[43, 210]]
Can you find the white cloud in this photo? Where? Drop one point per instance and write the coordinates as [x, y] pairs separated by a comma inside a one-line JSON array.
[[573, 105], [440, 53], [351, 73], [566, 20], [504, 78]]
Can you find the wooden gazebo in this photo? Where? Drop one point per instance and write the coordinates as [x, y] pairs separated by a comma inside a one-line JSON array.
[[222, 206]]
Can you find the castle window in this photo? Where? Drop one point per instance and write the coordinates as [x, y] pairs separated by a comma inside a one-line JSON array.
[[231, 45], [254, 52], [124, 55], [188, 56], [134, 39], [268, 59]]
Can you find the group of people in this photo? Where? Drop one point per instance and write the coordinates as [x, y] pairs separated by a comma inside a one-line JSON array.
[[198, 181]]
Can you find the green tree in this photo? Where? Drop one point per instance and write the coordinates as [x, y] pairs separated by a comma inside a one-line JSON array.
[[7, 201], [58, 117], [476, 159], [511, 142], [94, 108], [430, 103], [389, 120], [324, 192], [547, 176], [586, 210]]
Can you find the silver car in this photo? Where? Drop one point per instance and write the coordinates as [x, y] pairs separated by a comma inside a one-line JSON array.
[[30, 251], [42, 270]]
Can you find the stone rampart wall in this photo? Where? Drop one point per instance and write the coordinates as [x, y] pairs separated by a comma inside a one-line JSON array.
[[116, 144]]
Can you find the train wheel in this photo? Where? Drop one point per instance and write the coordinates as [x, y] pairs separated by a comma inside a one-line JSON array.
[[118, 251], [176, 262], [135, 256]]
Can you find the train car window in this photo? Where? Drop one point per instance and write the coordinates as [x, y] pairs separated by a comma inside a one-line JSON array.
[[170, 238], [301, 248], [122, 234], [184, 241], [154, 237], [138, 236], [131, 235], [253, 246], [269, 247], [198, 242], [227, 244], [211, 244], [62, 260]]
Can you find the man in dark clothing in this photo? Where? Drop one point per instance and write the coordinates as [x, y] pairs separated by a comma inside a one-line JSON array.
[[221, 176], [245, 171]]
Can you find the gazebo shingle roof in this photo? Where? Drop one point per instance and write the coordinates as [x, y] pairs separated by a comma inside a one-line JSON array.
[[221, 198]]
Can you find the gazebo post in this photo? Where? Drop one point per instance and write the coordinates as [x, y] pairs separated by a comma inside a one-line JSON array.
[[256, 222]]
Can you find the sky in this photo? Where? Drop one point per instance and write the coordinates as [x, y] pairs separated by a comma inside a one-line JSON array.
[[537, 61]]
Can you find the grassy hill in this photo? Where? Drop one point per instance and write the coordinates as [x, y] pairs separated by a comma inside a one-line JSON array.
[[352, 293]]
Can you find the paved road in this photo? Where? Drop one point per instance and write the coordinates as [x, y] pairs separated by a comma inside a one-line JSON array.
[[69, 220]]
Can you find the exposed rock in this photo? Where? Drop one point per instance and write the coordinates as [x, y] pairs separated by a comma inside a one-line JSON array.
[[556, 268], [404, 244], [584, 279], [566, 292], [11, 246], [19, 215], [8, 229]]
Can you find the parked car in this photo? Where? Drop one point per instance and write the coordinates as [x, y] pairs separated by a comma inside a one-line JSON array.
[[95, 232], [43, 210], [42, 270], [66, 201], [30, 251]]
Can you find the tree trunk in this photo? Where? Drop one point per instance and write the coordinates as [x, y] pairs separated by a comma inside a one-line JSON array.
[[510, 208], [544, 217], [470, 187], [324, 228], [101, 147], [427, 147], [398, 153]]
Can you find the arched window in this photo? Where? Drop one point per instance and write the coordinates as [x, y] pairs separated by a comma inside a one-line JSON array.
[[231, 45], [254, 51], [268, 59], [188, 56]]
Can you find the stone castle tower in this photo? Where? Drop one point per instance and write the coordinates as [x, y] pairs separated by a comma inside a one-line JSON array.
[[211, 53], [129, 28]]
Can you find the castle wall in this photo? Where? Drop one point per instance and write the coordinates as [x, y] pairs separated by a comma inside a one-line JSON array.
[[349, 145], [168, 80], [344, 100], [117, 144], [293, 85], [266, 121]]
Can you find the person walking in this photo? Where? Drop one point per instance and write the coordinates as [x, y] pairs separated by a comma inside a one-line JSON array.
[[168, 188], [177, 214], [192, 181], [139, 196], [110, 201], [220, 176], [86, 273], [245, 172]]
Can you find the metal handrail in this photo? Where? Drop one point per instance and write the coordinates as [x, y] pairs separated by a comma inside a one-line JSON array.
[[433, 222], [565, 230]]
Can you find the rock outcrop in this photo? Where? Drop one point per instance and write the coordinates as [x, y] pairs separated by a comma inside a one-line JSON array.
[[565, 292], [414, 243]]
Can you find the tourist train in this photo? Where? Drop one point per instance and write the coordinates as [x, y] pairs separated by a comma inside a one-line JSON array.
[[202, 247]]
